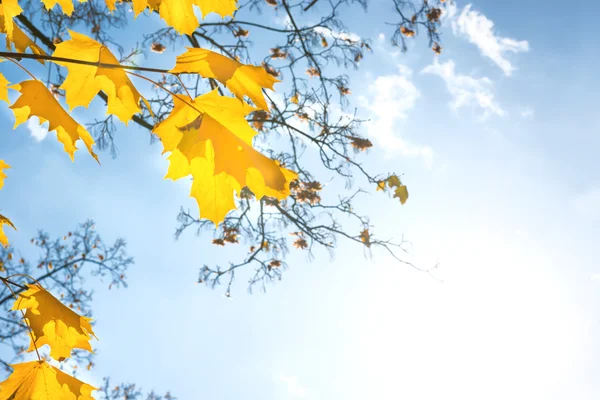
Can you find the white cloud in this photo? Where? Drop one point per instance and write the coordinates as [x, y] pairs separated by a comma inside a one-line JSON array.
[[527, 112], [588, 204], [466, 90], [283, 20], [391, 97], [37, 131], [478, 29], [596, 277], [294, 388]]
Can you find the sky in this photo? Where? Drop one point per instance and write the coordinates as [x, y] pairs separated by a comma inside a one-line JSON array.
[[497, 139]]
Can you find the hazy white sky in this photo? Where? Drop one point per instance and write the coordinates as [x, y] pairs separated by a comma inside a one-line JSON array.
[[498, 139]]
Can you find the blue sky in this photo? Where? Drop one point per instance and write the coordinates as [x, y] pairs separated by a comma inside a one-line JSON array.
[[498, 142]]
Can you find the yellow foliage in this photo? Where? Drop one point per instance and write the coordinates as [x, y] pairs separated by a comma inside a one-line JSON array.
[[36, 100], [84, 82], [3, 166], [53, 323], [66, 5], [179, 14], [3, 88], [38, 380], [4, 221], [213, 192], [10, 9], [394, 183], [19, 38], [242, 80], [212, 141]]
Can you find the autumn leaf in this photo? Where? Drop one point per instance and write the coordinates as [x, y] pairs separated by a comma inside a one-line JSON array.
[[66, 5], [213, 192], [242, 80], [407, 32], [213, 128], [36, 100], [38, 380], [10, 9], [3, 166], [394, 183], [4, 221], [53, 323], [4, 88], [179, 14], [365, 237], [401, 193], [84, 82], [21, 41]]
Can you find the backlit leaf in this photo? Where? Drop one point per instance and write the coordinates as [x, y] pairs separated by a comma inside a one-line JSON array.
[[21, 41], [394, 183], [242, 80], [4, 221], [3, 166], [84, 82], [10, 9], [53, 323], [36, 100], [216, 131], [180, 13], [365, 237], [3, 88], [66, 5], [38, 380]]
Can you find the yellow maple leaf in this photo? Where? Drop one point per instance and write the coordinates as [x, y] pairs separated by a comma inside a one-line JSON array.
[[21, 41], [53, 323], [3, 166], [84, 82], [242, 80], [180, 13], [66, 5], [36, 100], [10, 9], [38, 380], [4, 88], [214, 129], [4, 221], [213, 193], [225, 110]]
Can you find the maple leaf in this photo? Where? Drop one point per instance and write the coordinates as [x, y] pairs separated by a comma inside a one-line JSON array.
[[393, 182], [407, 32], [66, 5], [4, 88], [180, 13], [3, 166], [53, 323], [241, 79], [4, 221], [36, 100], [84, 82], [365, 237], [213, 128], [17, 37], [10, 9], [213, 193], [38, 380]]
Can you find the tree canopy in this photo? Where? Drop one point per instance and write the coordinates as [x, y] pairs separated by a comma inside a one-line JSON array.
[[258, 130]]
